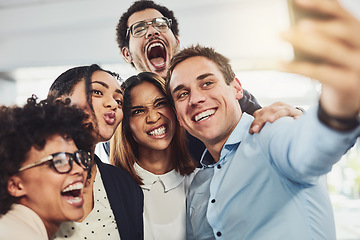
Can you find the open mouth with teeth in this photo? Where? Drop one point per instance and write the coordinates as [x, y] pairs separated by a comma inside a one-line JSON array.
[[73, 194], [204, 115], [158, 131], [156, 53]]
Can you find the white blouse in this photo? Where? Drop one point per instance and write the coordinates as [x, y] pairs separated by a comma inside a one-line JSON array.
[[99, 224], [22, 223], [164, 204]]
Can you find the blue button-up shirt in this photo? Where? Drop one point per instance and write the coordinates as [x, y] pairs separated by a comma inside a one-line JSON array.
[[269, 185]]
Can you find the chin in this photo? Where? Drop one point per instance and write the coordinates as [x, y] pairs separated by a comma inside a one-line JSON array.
[[106, 135], [105, 138], [75, 215], [162, 146]]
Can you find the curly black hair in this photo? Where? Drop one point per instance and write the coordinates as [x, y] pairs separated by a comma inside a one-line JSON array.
[[22, 128], [138, 6]]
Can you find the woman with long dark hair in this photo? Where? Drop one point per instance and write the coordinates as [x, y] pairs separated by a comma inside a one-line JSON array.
[[150, 144]]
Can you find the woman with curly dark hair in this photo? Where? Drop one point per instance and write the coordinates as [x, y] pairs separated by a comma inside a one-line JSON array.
[[113, 201], [42, 170]]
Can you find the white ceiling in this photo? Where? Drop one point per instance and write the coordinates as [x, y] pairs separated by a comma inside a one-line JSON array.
[[37, 33], [22, 3], [41, 38], [52, 32]]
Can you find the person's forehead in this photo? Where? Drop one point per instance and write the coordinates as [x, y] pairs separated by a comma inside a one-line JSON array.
[[192, 69], [55, 143], [146, 14], [106, 78], [149, 93], [196, 65]]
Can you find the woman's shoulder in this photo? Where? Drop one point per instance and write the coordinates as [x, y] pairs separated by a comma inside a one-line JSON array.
[[115, 175], [22, 217]]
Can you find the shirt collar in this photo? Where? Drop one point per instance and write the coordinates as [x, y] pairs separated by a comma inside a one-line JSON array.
[[236, 136], [169, 180]]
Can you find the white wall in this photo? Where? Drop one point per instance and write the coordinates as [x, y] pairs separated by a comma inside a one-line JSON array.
[[7, 88], [39, 39], [54, 33]]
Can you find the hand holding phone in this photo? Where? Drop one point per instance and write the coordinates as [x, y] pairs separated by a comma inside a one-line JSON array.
[[296, 14], [327, 49]]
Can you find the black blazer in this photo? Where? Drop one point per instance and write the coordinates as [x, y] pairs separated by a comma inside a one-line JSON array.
[[126, 200]]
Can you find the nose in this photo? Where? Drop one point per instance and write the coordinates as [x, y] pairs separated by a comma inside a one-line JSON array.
[[152, 116], [76, 169], [152, 31], [111, 103], [196, 97]]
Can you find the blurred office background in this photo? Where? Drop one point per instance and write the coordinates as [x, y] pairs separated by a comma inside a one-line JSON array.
[[39, 39]]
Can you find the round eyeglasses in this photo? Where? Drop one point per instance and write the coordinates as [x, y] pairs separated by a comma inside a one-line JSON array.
[[63, 161], [139, 29]]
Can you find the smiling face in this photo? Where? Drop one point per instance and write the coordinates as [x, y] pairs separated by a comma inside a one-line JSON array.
[[53, 196], [152, 121], [153, 51], [205, 105], [106, 101]]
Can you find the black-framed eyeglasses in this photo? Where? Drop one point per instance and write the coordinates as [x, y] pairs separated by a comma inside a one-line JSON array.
[[63, 161], [139, 29]]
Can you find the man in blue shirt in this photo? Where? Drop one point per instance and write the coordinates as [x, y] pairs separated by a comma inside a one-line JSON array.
[[269, 185]]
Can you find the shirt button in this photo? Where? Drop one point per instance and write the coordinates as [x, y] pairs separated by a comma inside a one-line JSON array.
[[219, 166], [213, 201], [218, 234]]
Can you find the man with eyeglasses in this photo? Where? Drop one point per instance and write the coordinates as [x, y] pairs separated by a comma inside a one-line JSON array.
[[148, 37], [42, 171]]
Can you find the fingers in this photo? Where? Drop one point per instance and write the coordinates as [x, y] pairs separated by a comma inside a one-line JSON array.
[[261, 117], [330, 8], [271, 114], [331, 41], [341, 78], [335, 41], [340, 29]]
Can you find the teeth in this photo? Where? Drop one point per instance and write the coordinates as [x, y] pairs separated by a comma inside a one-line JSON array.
[[74, 200], [155, 45], [158, 131], [204, 115], [76, 186]]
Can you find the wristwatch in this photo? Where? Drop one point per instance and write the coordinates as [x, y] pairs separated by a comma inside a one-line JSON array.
[[338, 123]]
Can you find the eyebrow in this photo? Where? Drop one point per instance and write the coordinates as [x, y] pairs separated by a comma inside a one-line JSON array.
[[159, 99], [118, 90], [136, 107], [200, 77], [203, 76], [178, 88], [156, 101]]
